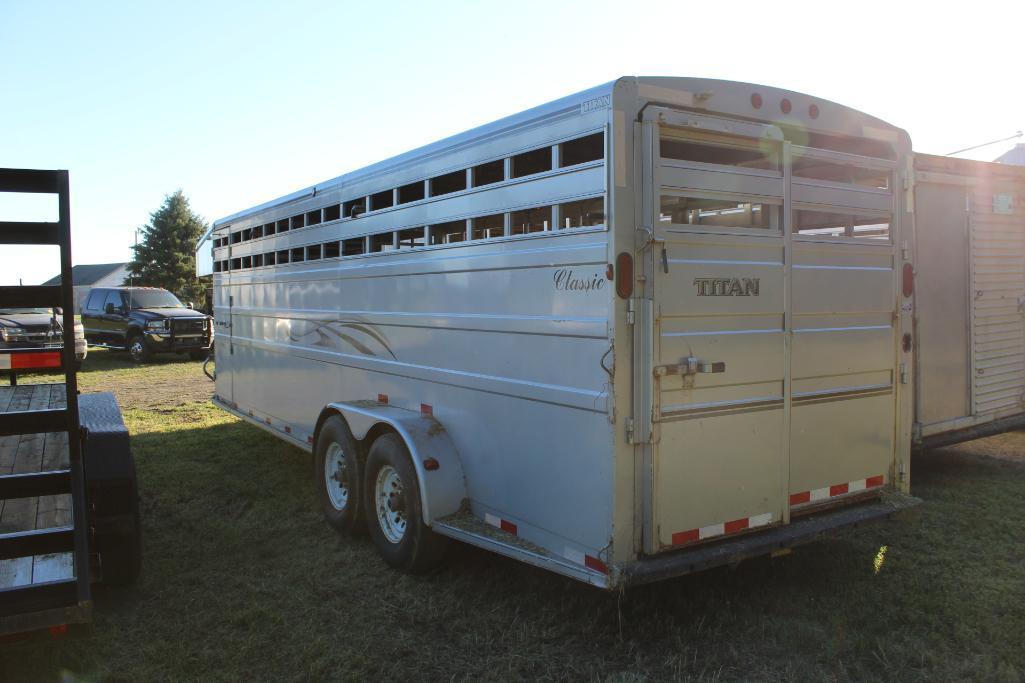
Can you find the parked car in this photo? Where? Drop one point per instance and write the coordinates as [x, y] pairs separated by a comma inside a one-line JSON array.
[[145, 321], [38, 328]]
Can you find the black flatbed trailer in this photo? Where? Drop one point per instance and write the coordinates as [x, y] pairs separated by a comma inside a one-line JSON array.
[[68, 501]]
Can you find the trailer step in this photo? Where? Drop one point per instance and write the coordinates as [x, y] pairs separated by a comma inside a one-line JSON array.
[[30, 180], [37, 542], [34, 484], [30, 296], [29, 232], [33, 421], [38, 596]]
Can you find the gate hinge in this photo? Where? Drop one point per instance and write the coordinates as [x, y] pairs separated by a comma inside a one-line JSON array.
[[630, 311], [903, 373], [629, 430]]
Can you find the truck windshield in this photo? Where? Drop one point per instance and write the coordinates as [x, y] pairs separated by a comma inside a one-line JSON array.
[[16, 311], [153, 298]]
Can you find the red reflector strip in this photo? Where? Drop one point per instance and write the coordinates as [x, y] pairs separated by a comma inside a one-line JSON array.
[[595, 564], [426, 409], [689, 536], [827, 492], [30, 361], [589, 561], [382, 398], [735, 526], [798, 498], [500, 523], [723, 528]]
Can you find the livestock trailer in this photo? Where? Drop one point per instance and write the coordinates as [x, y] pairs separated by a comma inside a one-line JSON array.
[[649, 328], [970, 303]]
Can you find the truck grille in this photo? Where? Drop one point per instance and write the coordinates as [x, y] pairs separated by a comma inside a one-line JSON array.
[[188, 327], [40, 334]]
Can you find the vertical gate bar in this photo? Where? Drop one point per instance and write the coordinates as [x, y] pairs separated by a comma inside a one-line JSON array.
[[71, 398], [788, 327], [645, 388]]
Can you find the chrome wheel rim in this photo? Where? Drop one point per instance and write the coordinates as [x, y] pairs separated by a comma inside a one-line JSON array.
[[136, 349], [390, 502], [336, 477]]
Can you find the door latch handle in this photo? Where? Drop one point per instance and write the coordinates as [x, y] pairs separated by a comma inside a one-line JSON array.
[[665, 261], [690, 366]]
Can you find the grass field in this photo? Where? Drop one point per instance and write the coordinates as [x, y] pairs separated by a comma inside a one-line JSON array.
[[243, 581]]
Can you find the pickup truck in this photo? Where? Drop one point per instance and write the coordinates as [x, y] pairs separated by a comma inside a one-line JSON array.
[[145, 321], [37, 328]]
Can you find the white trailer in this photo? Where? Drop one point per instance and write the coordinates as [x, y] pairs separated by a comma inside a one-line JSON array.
[[970, 303], [645, 329]]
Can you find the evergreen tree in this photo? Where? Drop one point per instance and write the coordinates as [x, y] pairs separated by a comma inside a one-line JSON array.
[[165, 256]]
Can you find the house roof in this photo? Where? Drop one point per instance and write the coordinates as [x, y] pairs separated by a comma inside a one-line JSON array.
[[88, 274], [1015, 155]]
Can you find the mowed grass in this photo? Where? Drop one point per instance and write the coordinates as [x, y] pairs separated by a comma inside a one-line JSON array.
[[242, 580]]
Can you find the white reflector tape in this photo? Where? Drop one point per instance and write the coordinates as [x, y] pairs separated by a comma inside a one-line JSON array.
[[5, 361]]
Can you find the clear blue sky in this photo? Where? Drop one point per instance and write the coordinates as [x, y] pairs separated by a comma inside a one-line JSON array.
[[240, 102]]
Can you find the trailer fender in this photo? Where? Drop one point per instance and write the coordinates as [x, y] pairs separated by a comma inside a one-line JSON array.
[[439, 470]]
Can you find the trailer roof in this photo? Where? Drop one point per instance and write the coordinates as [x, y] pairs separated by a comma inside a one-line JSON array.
[[574, 101]]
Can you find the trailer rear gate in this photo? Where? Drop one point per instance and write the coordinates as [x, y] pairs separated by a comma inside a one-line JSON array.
[[775, 327], [970, 294], [30, 453]]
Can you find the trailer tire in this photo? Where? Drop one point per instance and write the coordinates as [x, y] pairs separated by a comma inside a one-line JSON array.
[[394, 513], [337, 475]]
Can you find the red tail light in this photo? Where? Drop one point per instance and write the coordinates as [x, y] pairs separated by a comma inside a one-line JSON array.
[[624, 275], [909, 279]]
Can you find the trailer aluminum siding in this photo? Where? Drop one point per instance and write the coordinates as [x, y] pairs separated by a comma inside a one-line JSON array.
[[754, 376], [970, 303]]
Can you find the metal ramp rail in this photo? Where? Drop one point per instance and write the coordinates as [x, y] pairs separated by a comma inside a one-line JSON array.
[[66, 600]]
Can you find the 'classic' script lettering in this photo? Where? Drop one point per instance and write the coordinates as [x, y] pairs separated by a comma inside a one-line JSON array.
[[566, 281]]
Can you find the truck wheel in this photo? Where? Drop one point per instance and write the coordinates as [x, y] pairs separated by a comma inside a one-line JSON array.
[[138, 349], [338, 476], [394, 514], [198, 354]]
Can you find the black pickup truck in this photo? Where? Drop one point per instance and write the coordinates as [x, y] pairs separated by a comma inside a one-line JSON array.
[[144, 321]]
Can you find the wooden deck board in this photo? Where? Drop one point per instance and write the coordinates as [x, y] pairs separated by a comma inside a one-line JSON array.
[[34, 453]]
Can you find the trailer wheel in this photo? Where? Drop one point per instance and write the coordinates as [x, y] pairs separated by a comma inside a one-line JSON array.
[[394, 515], [338, 476]]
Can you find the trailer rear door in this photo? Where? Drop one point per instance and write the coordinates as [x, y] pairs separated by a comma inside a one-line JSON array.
[[717, 196], [773, 351]]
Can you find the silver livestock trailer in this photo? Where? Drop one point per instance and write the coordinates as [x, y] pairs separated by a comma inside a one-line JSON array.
[[649, 328]]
